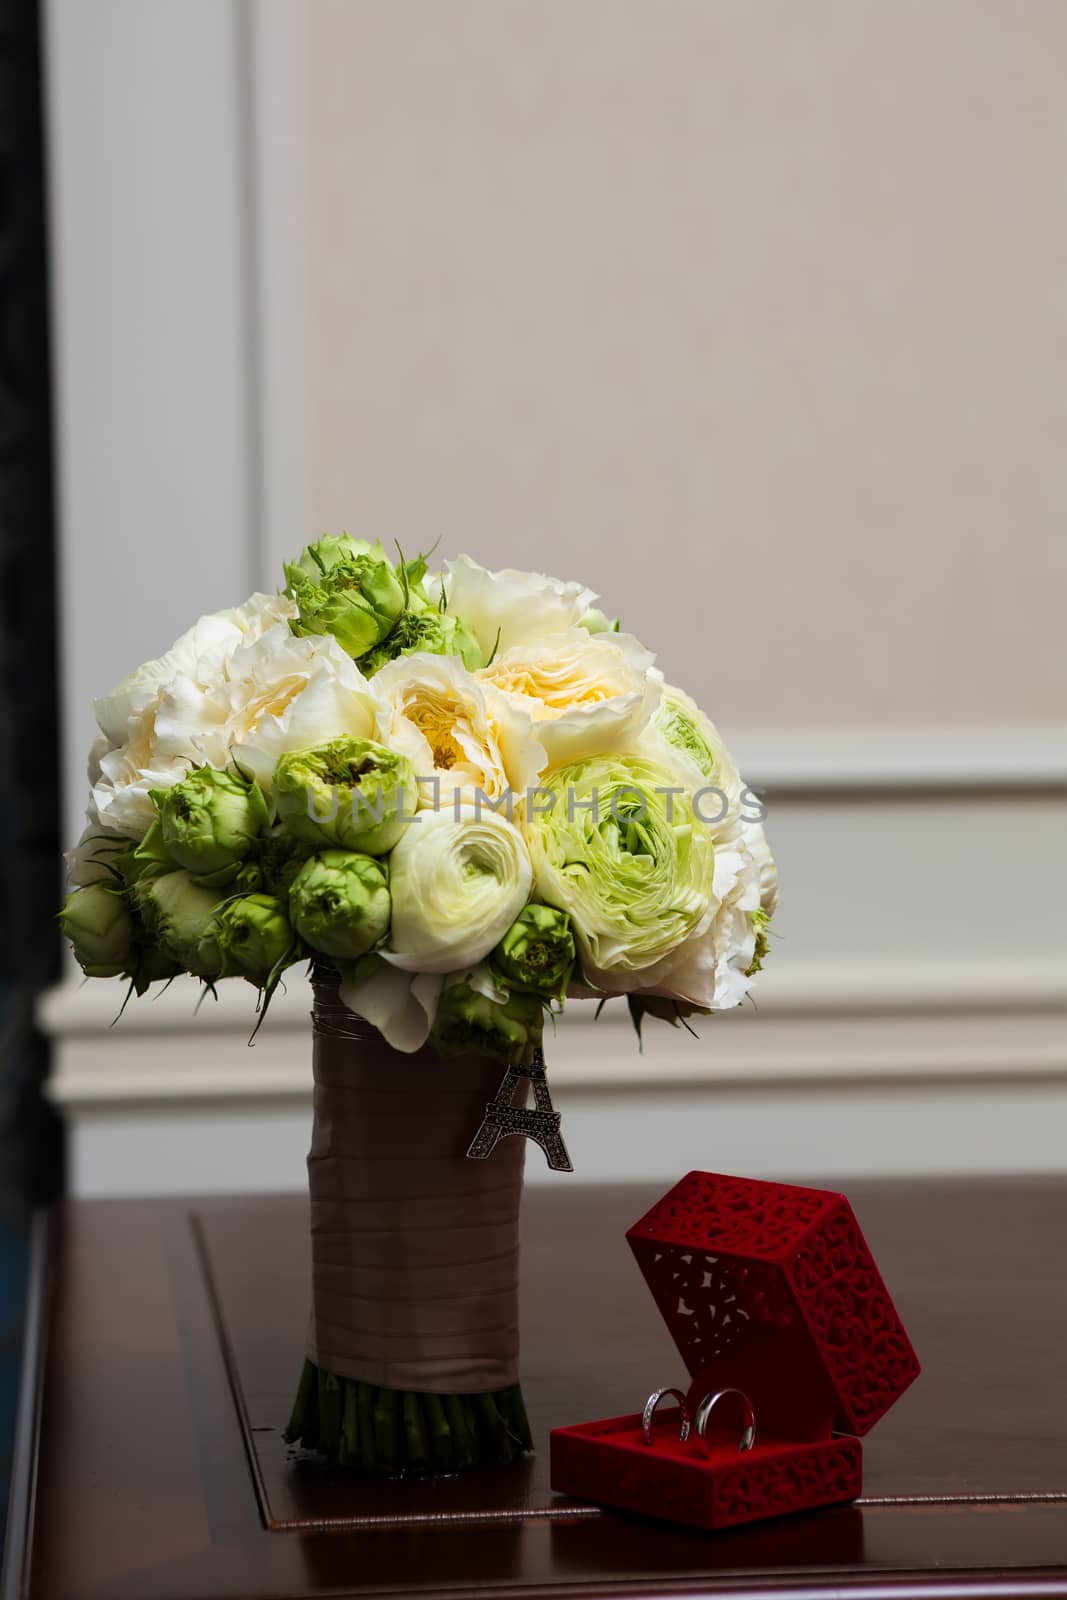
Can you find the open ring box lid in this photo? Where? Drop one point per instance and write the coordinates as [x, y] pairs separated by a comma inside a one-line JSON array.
[[770, 1289]]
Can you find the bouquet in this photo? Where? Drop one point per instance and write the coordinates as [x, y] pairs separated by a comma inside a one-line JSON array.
[[469, 791], [467, 794]]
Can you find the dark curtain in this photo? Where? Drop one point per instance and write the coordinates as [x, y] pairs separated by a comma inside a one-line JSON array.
[[30, 1135], [30, 1164]]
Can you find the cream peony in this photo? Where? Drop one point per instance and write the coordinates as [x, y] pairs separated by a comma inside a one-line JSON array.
[[130, 758], [238, 686], [506, 608], [456, 730], [458, 883], [285, 693], [200, 655], [588, 694]]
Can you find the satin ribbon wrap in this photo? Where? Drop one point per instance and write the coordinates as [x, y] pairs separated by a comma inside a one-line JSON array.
[[415, 1249]]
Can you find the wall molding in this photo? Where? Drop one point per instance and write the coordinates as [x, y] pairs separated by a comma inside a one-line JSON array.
[[891, 760], [843, 1023]]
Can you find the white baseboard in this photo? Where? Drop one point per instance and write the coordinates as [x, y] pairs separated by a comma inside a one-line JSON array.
[[849, 1022]]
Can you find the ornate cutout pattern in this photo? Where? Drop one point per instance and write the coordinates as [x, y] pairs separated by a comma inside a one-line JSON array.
[[742, 1216], [724, 1254], [853, 1319], [787, 1483], [709, 1301], [702, 1494]]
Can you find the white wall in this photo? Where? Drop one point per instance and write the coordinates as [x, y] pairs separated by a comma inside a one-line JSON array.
[[772, 291], [151, 336], [752, 316]]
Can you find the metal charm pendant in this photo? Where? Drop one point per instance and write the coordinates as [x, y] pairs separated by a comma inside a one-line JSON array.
[[541, 1124]]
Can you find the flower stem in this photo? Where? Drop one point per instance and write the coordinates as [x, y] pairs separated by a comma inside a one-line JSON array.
[[360, 1427]]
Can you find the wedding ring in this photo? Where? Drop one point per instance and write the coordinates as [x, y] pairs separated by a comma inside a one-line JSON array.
[[650, 1406], [707, 1406]]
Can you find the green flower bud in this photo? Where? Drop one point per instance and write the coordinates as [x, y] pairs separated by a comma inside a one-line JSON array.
[[351, 793], [423, 628], [176, 913], [316, 559], [537, 952], [244, 877], [254, 939], [147, 962], [340, 904], [150, 858], [211, 819], [467, 1023], [358, 599], [97, 922]]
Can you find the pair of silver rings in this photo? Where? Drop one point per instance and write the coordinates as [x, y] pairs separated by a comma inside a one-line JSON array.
[[704, 1410]]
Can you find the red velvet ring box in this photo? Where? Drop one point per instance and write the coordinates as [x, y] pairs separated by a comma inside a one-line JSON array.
[[770, 1289]]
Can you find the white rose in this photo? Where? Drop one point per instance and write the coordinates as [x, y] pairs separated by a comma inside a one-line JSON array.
[[588, 694], [457, 884], [457, 730], [507, 608]]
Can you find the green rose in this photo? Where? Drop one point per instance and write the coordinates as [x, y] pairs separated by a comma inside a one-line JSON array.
[[620, 850], [211, 820], [340, 904], [253, 939], [423, 628], [97, 922], [317, 559], [351, 793], [537, 952], [467, 1023], [358, 600], [176, 913]]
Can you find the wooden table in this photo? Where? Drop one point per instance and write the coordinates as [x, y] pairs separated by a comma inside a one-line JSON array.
[[151, 1465]]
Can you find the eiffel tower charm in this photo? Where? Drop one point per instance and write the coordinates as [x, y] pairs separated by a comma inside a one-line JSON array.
[[503, 1118]]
